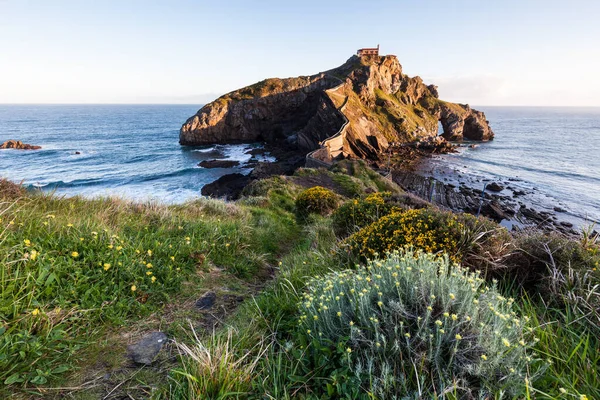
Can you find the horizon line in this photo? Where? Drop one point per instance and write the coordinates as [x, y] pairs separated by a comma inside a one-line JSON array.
[[202, 104]]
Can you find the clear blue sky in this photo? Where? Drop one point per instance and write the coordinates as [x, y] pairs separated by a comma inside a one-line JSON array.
[[183, 51]]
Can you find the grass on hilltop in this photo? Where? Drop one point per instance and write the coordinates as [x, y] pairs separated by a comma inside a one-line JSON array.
[[78, 276]]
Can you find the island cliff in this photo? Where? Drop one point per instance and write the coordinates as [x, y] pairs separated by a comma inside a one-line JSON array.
[[367, 105]]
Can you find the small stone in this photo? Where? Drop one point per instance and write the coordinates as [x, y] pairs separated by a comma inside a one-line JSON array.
[[146, 350], [206, 301], [559, 209], [566, 224], [495, 187]]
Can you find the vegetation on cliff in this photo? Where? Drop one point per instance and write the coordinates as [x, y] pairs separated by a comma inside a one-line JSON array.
[[381, 103], [81, 279]]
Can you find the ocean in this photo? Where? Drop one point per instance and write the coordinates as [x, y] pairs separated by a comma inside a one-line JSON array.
[[550, 153], [129, 151], [132, 151]]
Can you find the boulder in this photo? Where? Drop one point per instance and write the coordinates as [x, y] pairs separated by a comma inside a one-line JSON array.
[[18, 145], [228, 186], [495, 187], [218, 164], [146, 350]]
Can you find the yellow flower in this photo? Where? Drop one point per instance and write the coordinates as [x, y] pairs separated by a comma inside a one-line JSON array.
[[446, 314], [483, 357], [227, 245], [505, 342], [348, 350], [119, 248], [33, 255], [339, 313], [153, 279], [106, 266], [172, 258], [149, 273], [380, 304], [563, 390], [351, 323], [454, 317], [69, 225], [438, 322], [452, 296], [149, 252], [110, 246], [407, 335], [457, 337], [149, 265], [133, 288], [74, 254], [81, 239], [35, 312], [308, 331], [27, 242]]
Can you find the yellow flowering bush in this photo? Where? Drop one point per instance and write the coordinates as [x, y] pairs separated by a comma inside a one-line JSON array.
[[358, 213], [415, 325], [317, 200], [425, 229]]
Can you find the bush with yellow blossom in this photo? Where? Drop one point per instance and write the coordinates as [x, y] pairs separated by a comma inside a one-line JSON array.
[[316, 200], [424, 229], [358, 213], [414, 325]]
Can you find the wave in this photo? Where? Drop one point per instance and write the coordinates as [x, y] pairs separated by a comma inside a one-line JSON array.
[[207, 150], [561, 174]]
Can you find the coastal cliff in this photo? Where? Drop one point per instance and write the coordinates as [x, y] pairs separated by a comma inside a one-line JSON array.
[[376, 103]]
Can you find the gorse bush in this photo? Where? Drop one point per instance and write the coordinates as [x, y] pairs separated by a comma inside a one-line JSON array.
[[414, 326], [317, 200], [356, 214], [424, 229]]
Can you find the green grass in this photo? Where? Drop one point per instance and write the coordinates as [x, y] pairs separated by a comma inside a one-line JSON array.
[[68, 266], [71, 268]]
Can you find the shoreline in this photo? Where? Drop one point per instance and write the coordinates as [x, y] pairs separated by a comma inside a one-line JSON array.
[[507, 200]]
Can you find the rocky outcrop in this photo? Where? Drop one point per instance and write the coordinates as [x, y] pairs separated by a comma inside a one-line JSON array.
[[18, 145], [218, 163], [381, 104]]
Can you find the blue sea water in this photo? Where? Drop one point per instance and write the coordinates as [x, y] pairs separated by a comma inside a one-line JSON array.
[[552, 153], [133, 151], [130, 151]]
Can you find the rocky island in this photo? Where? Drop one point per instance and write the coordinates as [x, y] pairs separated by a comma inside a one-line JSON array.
[[360, 109]]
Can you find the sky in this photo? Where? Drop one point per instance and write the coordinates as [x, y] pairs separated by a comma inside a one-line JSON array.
[[527, 52]]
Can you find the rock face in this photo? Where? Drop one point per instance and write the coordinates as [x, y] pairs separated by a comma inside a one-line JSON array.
[[371, 98], [18, 145]]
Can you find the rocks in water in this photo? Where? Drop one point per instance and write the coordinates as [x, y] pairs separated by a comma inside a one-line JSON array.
[[559, 209], [495, 187], [206, 301], [300, 113], [18, 145], [566, 224], [146, 350], [218, 164], [228, 186], [473, 146], [77, 152]]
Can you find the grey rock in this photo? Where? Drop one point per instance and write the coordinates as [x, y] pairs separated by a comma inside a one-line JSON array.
[[495, 187], [146, 350], [206, 301]]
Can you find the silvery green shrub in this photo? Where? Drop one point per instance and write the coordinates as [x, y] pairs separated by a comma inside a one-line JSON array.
[[415, 326]]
